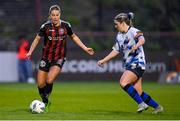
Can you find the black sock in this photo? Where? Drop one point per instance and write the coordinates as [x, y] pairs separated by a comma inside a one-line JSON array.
[[43, 94], [49, 88]]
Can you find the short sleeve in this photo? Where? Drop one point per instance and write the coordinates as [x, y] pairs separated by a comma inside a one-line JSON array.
[[69, 29], [116, 47], [138, 34], [41, 31]]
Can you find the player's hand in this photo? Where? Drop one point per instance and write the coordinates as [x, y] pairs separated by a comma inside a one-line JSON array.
[[134, 47], [28, 55], [90, 51], [100, 63]]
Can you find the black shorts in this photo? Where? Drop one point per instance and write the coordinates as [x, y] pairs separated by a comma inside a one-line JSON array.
[[45, 65], [138, 71]]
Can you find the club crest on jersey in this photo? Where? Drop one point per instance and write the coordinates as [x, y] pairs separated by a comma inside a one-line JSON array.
[[61, 31], [42, 63]]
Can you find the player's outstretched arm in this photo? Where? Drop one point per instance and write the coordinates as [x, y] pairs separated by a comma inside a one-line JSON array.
[[33, 46], [76, 39], [111, 55]]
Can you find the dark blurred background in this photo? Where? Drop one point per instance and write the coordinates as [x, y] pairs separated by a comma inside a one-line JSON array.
[[92, 21]]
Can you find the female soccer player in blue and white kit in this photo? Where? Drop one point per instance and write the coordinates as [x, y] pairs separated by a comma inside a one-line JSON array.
[[129, 43]]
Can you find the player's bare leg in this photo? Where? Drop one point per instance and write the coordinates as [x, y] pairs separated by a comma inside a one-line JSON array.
[[53, 72], [126, 81], [41, 82], [138, 86]]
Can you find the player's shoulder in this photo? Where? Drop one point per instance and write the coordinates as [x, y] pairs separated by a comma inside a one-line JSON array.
[[135, 31], [45, 24], [118, 34], [65, 23]]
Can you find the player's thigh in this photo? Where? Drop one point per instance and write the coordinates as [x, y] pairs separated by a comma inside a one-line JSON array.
[[53, 72], [138, 86], [128, 77], [41, 78]]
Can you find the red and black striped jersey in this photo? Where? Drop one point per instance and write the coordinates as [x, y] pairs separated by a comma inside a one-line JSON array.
[[54, 40]]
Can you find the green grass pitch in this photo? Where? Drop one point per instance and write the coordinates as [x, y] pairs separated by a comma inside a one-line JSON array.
[[87, 101]]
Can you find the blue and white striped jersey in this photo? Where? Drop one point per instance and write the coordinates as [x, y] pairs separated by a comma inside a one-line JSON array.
[[124, 43]]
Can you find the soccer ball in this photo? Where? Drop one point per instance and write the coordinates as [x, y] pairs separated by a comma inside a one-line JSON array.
[[37, 106]]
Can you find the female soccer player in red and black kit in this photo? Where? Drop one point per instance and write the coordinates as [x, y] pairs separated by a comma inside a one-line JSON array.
[[54, 32]]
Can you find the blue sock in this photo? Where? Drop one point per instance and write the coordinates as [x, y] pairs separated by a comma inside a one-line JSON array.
[[133, 93], [148, 100]]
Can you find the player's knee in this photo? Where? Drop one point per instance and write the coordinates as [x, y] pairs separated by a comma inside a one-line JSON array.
[[41, 84], [139, 91], [123, 83], [50, 80]]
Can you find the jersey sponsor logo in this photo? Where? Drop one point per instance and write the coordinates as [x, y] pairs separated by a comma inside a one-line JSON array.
[[51, 30], [42, 63], [56, 38]]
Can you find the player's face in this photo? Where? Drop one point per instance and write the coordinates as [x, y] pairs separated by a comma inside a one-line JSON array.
[[55, 16], [118, 26]]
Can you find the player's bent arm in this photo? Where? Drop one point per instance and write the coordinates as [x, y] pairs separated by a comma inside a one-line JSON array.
[[141, 41], [77, 40], [111, 55], [33, 45]]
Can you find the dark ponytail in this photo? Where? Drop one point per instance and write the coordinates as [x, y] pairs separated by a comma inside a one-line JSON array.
[[130, 15]]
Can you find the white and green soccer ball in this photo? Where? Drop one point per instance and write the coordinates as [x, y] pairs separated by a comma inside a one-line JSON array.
[[37, 106]]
